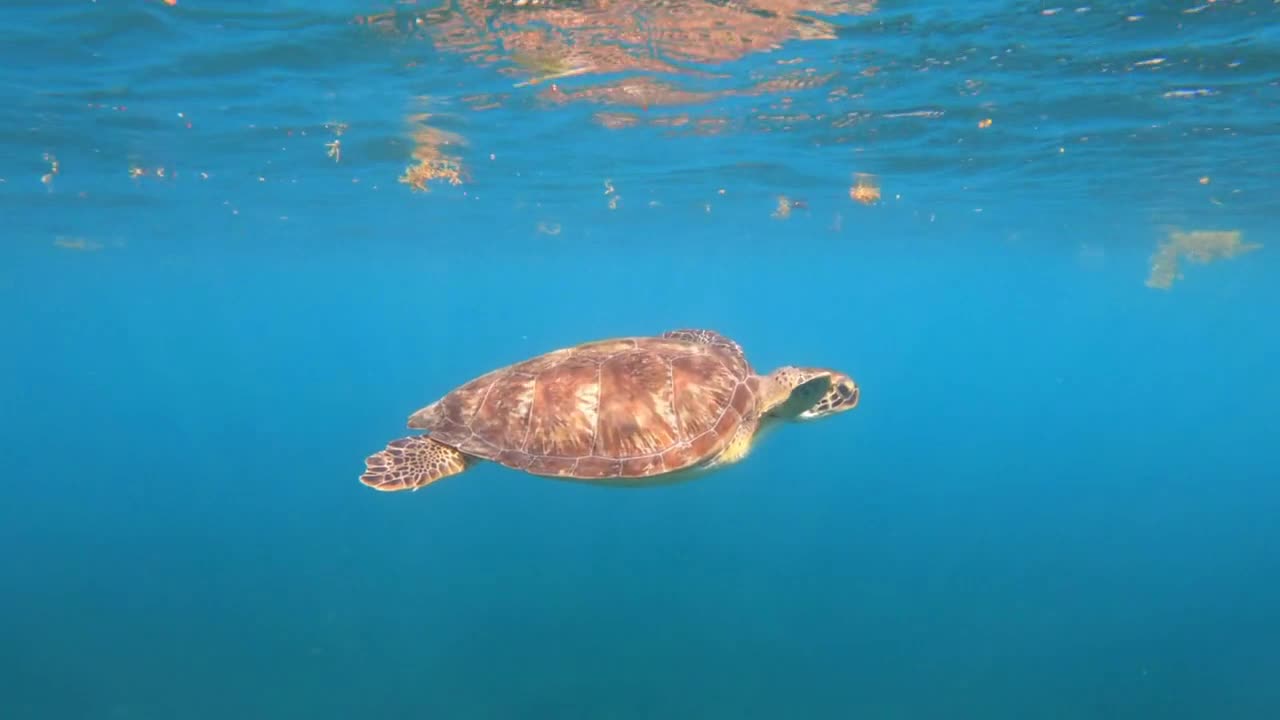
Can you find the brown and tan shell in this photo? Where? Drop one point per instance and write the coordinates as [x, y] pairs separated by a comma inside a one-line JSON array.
[[626, 408]]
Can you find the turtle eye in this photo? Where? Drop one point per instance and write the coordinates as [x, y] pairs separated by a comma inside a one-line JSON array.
[[848, 393]]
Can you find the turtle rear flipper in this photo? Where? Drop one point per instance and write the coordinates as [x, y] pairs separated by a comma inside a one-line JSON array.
[[410, 463]]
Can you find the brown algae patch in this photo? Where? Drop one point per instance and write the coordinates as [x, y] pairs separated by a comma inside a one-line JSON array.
[[1198, 246], [76, 243]]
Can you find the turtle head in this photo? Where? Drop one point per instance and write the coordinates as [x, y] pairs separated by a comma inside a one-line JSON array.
[[801, 394]]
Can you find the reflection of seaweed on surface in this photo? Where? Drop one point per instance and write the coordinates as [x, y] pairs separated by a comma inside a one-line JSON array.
[[605, 44], [432, 161], [1200, 246], [637, 92], [545, 40], [547, 66], [616, 120]]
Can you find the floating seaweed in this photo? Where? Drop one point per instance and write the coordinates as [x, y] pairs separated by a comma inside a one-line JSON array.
[[1198, 246]]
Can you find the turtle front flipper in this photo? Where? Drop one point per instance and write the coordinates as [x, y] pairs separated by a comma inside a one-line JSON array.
[[410, 463], [739, 445]]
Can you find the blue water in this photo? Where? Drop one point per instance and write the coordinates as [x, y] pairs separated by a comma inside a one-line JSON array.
[[1056, 499]]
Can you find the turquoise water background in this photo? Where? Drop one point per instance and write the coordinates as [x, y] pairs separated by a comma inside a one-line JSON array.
[[1057, 498]]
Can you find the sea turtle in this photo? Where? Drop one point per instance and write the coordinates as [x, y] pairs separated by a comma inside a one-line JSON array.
[[624, 411]]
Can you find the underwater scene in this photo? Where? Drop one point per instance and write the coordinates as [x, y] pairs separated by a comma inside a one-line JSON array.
[[654, 359]]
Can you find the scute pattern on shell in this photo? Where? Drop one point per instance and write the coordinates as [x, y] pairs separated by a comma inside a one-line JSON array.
[[623, 408]]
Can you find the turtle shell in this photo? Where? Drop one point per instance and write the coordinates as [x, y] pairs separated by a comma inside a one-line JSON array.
[[626, 408]]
